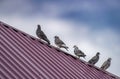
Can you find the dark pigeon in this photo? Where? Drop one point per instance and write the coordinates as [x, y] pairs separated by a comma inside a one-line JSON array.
[[94, 59], [41, 34]]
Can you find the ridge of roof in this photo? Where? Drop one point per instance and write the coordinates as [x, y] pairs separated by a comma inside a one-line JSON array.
[[58, 50]]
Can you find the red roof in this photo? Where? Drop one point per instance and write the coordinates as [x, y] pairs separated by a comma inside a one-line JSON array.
[[24, 56]]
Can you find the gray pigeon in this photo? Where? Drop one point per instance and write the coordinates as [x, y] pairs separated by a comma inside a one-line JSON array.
[[60, 43], [41, 34], [106, 64], [94, 59], [78, 52]]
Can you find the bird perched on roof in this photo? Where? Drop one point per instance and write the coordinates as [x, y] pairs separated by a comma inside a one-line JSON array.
[[78, 52], [94, 59], [41, 34], [60, 43], [106, 64]]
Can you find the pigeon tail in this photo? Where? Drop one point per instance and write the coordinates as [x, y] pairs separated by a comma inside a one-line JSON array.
[[47, 41], [64, 47], [90, 62], [82, 56], [103, 68]]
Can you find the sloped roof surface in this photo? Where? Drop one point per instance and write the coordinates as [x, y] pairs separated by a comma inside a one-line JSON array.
[[25, 57]]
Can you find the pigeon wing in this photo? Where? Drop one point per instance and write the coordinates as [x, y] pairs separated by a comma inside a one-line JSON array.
[[104, 64], [93, 59], [58, 41]]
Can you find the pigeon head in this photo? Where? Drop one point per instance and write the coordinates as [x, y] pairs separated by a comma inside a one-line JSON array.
[[75, 46], [98, 53], [39, 27], [109, 59], [56, 37]]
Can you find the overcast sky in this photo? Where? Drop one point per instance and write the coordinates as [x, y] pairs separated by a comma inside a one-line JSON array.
[[92, 25]]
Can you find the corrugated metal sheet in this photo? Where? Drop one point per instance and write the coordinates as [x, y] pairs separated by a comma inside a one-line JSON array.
[[25, 57]]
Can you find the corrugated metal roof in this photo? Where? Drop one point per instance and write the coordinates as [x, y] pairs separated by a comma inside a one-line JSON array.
[[25, 57]]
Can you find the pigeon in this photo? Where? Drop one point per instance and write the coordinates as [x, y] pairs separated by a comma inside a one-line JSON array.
[[60, 43], [41, 34], [78, 52], [106, 64], [94, 59]]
